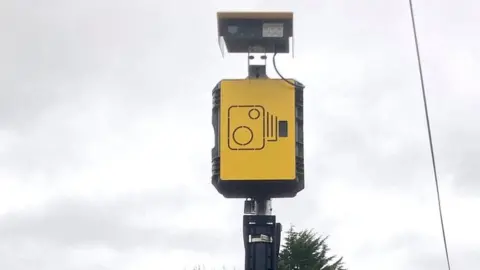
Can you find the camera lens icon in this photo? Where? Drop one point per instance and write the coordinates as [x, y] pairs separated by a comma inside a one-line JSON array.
[[243, 135], [245, 127]]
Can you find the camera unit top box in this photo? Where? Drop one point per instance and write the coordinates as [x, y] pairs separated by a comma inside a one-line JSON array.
[[268, 31]]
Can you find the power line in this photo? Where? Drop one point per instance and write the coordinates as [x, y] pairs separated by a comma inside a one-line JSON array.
[[432, 153]]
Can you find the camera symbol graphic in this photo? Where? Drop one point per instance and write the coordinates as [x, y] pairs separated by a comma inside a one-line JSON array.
[[250, 127]]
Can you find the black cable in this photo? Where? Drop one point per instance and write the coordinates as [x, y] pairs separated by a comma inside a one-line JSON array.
[[432, 153], [276, 70]]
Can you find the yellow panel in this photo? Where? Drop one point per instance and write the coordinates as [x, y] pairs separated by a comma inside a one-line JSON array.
[[255, 117]]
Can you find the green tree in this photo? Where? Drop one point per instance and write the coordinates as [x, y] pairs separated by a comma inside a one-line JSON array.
[[306, 250]]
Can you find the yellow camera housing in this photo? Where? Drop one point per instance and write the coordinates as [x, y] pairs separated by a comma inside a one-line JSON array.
[[258, 128]]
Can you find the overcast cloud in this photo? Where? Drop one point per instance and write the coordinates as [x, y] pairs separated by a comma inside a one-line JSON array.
[[105, 133]]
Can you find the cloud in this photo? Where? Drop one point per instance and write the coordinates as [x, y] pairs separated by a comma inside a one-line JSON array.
[[146, 220]]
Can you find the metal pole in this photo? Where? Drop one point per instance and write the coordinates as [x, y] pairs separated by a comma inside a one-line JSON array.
[[263, 207], [257, 71], [261, 235]]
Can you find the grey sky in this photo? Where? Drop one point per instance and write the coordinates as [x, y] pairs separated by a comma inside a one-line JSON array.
[[105, 133]]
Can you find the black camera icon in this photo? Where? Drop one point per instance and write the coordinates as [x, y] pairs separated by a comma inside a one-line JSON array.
[[251, 126]]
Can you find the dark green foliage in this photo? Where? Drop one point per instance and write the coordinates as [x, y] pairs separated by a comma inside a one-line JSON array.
[[305, 250]]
